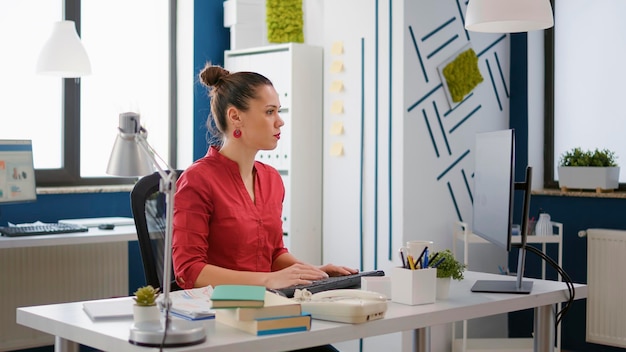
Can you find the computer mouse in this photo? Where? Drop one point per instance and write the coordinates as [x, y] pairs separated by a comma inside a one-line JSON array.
[[106, 226]]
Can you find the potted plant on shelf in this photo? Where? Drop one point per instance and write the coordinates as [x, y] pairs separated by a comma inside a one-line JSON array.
[[448, 268], [586, 169], [145, 308]]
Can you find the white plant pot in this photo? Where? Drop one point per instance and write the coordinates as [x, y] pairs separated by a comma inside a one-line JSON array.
[[146, 313], [443, 287], [588, 177]]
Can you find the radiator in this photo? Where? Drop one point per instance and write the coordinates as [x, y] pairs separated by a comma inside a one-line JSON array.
[[56, 274], [606, 279]]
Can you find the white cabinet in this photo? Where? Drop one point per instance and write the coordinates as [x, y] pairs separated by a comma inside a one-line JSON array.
[[465, 344], [296, 72]]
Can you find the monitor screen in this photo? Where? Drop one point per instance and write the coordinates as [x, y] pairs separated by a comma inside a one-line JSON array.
[[17, 173], [493, 186]]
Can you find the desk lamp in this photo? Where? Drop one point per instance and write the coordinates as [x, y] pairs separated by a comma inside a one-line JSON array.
[[133, 156], [508, 16]]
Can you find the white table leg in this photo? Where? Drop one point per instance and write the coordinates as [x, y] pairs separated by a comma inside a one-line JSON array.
[[421, 340], [544, 329], [63, 345]]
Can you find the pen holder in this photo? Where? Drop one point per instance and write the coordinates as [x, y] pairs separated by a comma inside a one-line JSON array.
[[413, 287]]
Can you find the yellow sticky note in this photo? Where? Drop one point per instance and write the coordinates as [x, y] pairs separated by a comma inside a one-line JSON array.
[[336, 149], [336, 66], [337, 107], [336, 128], [336, 86], [337, 48]]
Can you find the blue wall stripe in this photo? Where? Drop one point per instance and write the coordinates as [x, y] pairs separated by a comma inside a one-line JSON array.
[[506, 89], [456, 206], [419, 56], [424, 97], [457, 105], [467, 186], [492, 45], [390, 215], [438, 29], [493, 84], [443, 132], [376, 117], [465, 118], [430, 132], [452, 165], [362, 186], [458, 6], [455, 37]]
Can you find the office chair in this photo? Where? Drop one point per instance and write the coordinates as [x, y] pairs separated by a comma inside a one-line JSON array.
[[148, 207]]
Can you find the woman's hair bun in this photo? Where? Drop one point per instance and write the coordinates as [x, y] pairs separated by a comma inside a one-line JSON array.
[[211, 74]]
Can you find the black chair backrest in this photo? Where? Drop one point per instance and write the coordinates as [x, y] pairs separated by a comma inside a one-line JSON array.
[[148, 207]]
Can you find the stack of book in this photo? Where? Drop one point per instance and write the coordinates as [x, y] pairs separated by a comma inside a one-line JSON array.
[[259, 312]]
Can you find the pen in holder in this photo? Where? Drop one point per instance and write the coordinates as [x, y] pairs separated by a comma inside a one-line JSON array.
[[413, 287]]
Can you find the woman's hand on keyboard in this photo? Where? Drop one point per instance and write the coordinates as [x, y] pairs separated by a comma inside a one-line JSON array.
[[336, 270], [296, 274]]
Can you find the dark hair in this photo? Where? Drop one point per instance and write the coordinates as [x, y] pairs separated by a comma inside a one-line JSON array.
[[228, 89]]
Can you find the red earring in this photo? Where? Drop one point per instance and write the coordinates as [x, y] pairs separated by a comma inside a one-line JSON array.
[[237, 133]]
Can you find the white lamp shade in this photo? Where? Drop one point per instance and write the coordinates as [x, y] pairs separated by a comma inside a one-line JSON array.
[[508, 16], [63, 55]]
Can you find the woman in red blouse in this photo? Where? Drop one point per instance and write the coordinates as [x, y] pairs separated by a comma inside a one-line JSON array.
[[228, 207]]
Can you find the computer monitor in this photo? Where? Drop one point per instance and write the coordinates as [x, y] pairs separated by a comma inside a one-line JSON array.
[[17, 172], [494, 187]]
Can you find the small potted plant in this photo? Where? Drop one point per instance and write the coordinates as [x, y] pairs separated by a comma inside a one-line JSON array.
[[448, 268], [145, 308], [586, 169]]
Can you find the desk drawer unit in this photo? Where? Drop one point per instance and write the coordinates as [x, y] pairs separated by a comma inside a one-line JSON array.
[[56, 274]]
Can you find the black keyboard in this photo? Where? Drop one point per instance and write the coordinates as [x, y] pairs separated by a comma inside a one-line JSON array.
[[41, 229], [332, 283]]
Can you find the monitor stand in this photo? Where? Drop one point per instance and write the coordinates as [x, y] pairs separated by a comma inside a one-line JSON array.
[[517, 285]]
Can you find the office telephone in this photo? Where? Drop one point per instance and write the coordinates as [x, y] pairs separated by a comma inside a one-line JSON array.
[[343, 305]]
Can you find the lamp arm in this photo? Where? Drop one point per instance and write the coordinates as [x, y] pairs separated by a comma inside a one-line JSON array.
[[168, 187]]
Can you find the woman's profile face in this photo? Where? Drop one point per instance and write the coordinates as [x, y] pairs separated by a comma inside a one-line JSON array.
[[261, 123]]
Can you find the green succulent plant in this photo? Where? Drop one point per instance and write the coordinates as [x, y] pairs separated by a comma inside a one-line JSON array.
[[449, 267], [579, 157], [146, 296]]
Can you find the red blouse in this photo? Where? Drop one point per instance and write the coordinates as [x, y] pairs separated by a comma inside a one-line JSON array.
[[216, 222]]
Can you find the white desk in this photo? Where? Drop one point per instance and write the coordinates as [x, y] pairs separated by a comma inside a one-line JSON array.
[[94, 235], [71, 326], [59, 268]]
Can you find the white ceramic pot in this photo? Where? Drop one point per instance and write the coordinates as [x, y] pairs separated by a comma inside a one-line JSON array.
[[146, 313], [443, 287], [588, 177]]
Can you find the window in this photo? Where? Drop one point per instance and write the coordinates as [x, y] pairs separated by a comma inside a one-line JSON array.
[[73, 122], [588, 70]]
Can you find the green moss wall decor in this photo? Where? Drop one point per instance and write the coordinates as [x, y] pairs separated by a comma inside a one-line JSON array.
[[284, 21], [462, 74]]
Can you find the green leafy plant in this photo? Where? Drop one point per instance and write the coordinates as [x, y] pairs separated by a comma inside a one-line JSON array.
[[146, 296], [579, 157], [449, 267]]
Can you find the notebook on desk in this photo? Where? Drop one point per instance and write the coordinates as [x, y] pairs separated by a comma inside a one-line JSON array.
[[95, 222]]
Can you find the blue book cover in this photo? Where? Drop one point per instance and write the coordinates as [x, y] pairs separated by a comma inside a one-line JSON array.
[[265, 326]]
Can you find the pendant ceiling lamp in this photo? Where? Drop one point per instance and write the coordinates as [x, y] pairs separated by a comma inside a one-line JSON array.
[[508, 16], [63, 55]]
